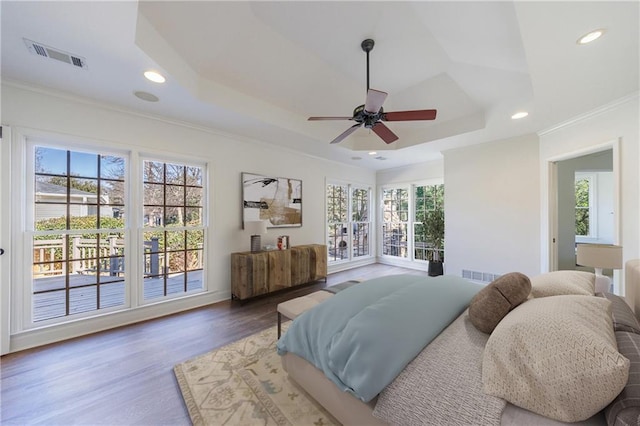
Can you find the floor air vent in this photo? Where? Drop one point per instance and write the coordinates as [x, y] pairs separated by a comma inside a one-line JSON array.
[[485, 277], [57, 54]]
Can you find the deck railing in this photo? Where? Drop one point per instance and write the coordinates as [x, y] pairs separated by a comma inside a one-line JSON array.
[[85, 257]]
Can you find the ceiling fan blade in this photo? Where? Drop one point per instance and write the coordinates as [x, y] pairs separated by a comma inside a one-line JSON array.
[[421, 114], [347, 133], [375, 99], [328, 118], [384, 132]]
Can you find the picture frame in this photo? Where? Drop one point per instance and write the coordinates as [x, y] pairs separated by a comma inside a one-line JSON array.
[[276, 200]]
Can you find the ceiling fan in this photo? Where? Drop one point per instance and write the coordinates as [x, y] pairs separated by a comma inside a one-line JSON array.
[[371, 115]]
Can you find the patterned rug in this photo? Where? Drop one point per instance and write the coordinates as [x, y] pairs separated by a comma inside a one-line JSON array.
[[244, 384]]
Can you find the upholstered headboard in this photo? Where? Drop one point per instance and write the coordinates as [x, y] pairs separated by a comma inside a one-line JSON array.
[[632, 284]]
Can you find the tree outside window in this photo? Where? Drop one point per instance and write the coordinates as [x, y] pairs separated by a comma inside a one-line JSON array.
[[583, 206]]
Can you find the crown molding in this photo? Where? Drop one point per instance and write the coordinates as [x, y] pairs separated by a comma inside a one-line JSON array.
[[180, 123], [591, 114]]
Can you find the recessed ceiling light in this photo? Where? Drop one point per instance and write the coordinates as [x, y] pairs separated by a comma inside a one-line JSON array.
[[518, 115], [146, 96], [588, 38], [154, 76], [372, 153]]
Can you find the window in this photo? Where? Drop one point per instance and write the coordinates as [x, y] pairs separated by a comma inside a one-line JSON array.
[[173, 228], [78, 232], [429, 210], [583, 208], [83, 259], [395, 221], [413, 221], [348, 222], [360, 206]]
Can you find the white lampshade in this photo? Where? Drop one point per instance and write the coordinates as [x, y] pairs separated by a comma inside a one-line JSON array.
[[256, 227], [604, 256]]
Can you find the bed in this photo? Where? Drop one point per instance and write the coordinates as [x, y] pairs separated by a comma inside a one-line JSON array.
[[443, 383]]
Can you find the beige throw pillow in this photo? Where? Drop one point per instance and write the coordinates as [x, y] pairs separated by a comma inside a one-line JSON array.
[[556, 356], [563, 282]]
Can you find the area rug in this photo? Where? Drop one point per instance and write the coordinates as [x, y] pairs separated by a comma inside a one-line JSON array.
[[244, 384]]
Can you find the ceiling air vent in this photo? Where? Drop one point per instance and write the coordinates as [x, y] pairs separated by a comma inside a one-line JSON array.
[[57, 54]]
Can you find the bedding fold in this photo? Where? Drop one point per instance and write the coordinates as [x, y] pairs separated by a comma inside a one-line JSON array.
[[364, 336]]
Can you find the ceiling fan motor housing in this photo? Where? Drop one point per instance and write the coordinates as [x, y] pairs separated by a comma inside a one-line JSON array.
[[360, 115]]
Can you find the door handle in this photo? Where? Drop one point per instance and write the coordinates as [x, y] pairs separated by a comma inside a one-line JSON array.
[[1, 251]]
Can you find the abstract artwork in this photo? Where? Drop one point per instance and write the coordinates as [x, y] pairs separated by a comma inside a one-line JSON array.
[[274, 199]]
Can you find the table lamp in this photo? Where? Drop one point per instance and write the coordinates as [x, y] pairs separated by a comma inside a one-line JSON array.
[[599, 257], [256, 228]]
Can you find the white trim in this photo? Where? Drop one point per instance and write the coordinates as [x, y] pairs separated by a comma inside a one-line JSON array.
[[175, 122], [591, 114], [5, 240], [548, 187]]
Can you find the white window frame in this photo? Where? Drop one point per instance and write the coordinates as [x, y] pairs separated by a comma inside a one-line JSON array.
[[592, 177], [410, 260], [141, 229], [350, 187], [409, 222], [23, 142]]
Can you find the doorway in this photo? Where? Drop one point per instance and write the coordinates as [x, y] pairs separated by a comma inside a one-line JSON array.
[[583, 205]]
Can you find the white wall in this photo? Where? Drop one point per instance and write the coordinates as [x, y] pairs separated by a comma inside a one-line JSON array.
[[413, 173], [492, 207], [614, 122], [29, 110]]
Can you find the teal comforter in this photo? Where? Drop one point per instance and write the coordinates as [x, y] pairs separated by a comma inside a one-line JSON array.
[[364, 336]]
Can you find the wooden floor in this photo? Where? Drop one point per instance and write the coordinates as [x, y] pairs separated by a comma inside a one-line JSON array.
[[125, 376]]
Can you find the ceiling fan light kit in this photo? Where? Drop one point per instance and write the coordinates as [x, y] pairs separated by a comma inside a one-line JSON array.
[[371, 115]]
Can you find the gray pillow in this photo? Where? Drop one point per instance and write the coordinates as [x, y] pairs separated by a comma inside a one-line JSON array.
[[623, 317], [495, 301], [625, 408]]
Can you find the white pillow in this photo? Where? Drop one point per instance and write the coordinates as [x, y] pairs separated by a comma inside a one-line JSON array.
[[556, 356], [563, 282]]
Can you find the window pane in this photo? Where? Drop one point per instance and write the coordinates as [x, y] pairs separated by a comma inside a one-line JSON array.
[[49, 305], [195, 239], [153, 216], [112, 167], [50, 161], [174, 216], [175, 195], [175, 174], [175, 240], [337, 241], [153, 194], [194, 260], [77, 263], [153, 171], [112, 192], [170, 252], [193, 216], [361, 239], [194, 196], [194, 280], [194, 176], [83, 299], [83, 164], [360, 205]]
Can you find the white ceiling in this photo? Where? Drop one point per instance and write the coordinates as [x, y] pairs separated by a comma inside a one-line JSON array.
[[259, 69]]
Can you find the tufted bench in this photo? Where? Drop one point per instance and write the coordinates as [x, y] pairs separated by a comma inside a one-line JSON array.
[[294, 307]]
